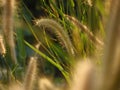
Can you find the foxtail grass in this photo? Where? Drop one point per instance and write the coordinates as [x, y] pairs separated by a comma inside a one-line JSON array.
[[111, 67], [85, 30], [58, 30], [46, 84], [2, 46], [8, 27], [31, 75], [83, 75]]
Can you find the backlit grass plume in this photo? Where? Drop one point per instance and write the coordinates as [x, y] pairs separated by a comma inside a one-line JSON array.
[[83, 75], [111, 67], [31, 74], [58, 30], [85, 30], [8, 27], [2, 46]]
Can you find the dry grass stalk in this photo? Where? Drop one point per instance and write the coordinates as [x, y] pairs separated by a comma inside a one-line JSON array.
[[31, 74], [46, 84], [83, 76], [2, 46], [111, 68], [85, 30], [8, 26]]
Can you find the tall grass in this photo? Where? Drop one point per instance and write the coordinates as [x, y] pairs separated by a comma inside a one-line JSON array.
[[55, 46], [63, 34], [8, 25]]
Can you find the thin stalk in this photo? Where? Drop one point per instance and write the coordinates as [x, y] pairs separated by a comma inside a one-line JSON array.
[[8, 25]]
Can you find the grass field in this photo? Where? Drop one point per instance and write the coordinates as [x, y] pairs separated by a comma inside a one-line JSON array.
[[59, 45]]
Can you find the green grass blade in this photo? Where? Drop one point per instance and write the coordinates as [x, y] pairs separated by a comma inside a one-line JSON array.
[[65, 73]]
